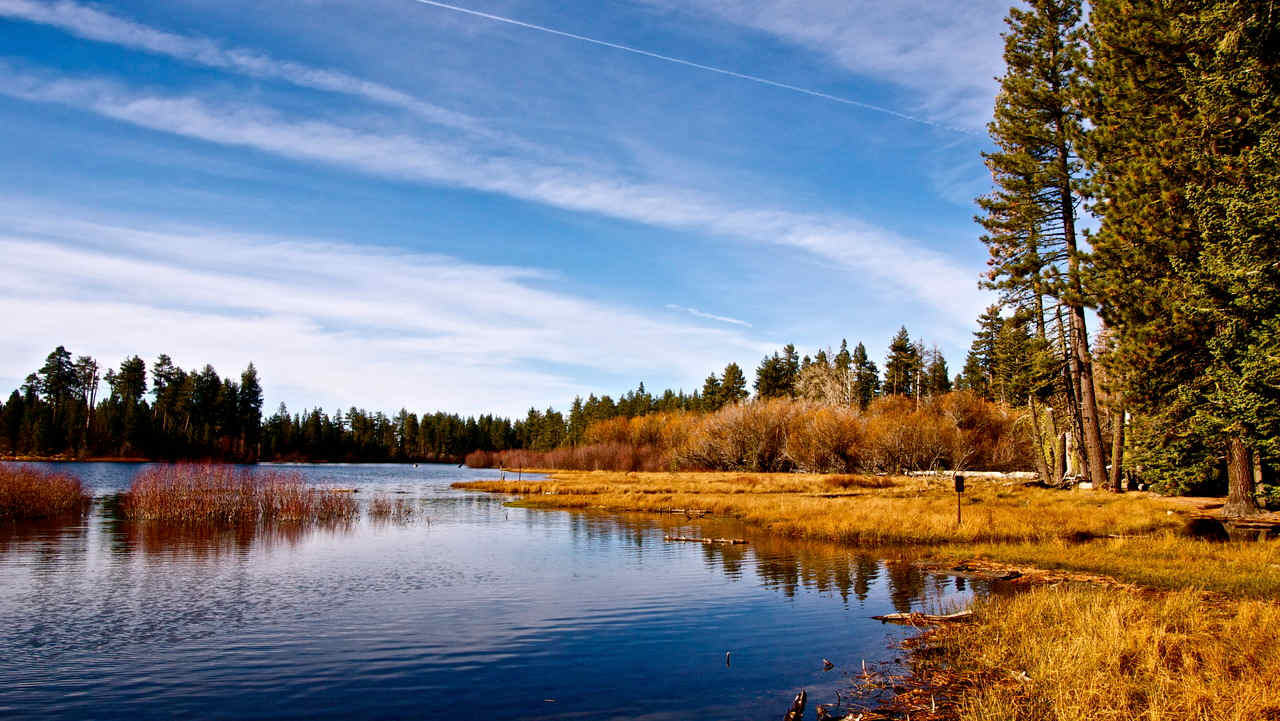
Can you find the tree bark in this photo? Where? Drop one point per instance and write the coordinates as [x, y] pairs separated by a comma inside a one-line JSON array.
[[1059, 457], [1082, 361], [1117, 448], [1240, 487], [1042, 466]]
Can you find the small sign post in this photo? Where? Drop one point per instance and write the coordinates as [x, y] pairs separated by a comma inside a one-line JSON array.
[[959, 490]]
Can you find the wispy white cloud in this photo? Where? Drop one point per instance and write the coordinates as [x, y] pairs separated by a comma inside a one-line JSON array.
[[94, 24], [328, 322], [887, 259], [947, 54], [708, 316]]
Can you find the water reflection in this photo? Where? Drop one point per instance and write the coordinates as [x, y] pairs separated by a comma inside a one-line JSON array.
[[111, 619], [785, 565]]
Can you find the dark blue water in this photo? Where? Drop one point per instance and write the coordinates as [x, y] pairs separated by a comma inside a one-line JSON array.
[[470, 610]]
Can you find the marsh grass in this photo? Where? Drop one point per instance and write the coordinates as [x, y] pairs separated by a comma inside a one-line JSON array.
[[857, 509], [28, 493], [384, 509], [1067, 653], [221, 494], [1168, 561]]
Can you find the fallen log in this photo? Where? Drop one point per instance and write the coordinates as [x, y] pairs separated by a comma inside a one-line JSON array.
[[702, 539], [915, 617]]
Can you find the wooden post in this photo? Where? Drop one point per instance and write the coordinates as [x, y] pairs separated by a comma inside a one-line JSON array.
[[959, 491]]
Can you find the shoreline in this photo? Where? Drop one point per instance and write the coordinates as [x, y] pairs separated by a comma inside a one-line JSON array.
[[1005, 661]]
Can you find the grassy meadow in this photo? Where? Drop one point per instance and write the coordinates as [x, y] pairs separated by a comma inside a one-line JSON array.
[[1126, 613]]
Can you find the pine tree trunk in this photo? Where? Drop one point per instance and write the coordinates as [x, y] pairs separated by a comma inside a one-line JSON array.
[[1117, 448], [1091, 429], [1091, 433], [1071, 377], [1042, 466], [1240, 488], [1059, 456]]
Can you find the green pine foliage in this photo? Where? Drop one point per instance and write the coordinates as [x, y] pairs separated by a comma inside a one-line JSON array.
[[1186, 104]]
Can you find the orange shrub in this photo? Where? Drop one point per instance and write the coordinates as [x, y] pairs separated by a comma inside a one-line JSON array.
[[742, 437], [955, 430], [825, 440]]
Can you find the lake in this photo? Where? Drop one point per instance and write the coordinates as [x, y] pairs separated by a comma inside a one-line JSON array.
[[468, 610]]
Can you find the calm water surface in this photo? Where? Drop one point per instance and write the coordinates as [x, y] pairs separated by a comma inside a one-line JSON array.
[[471, 610]]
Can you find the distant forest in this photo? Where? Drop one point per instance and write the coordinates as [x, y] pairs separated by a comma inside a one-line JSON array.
[[166, 412]]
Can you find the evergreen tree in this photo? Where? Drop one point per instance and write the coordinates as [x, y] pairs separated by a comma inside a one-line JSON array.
[[866, 377], [733, 385], [712, 396], [900, 366], [979, 370], [1031, 216], [772, 378], [937, 376], [843, 361], [249, 412], [1186, 108]]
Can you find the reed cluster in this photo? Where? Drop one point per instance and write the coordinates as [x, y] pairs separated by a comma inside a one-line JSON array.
[[31, 493], [223, 494], [385, 509], [894, 433]]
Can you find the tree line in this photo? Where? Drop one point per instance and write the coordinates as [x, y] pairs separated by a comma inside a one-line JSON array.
[[166, 412]]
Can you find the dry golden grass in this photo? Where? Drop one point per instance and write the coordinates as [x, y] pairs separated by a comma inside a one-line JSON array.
[[841, 508], [1065, 654], [1167, 561]]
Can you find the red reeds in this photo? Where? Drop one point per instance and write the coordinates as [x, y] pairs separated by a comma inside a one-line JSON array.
[[229, 495], [27, 492]]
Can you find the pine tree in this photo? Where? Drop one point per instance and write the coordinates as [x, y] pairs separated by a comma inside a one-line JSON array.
[[1186, 110], [712, 397], [866, 377], [900, 365], [1031, 216], [843, 360], [937, 376], [733, 384]]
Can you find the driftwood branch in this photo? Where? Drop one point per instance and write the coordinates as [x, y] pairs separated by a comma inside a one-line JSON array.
[[796, 712], [916, 617], [699, 539]]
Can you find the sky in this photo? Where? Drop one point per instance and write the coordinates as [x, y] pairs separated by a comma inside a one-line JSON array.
[[489, 205]]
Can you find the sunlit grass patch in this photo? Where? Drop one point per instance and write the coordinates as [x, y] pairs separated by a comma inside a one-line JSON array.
[[230, 495], [1171, 561], [862, 509], [1067, 653], [31, 493]]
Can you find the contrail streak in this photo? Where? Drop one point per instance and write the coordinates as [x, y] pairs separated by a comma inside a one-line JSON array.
[[691, 64]]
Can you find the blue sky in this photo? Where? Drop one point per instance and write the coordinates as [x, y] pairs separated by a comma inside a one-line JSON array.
[[387, 203]]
